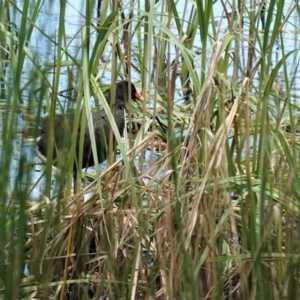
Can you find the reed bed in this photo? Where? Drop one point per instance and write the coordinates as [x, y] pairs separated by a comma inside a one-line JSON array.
[[215, 214]]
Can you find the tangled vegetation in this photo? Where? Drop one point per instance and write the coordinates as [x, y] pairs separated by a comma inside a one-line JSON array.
[[213, 215]]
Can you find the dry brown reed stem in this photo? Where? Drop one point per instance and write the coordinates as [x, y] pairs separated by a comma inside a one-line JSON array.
[[217, 149], [204, 101], [88, 189], [136, 273], [71, 200], [198, 121]]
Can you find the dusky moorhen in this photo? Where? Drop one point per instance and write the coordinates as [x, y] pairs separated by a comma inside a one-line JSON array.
[[63, 125]]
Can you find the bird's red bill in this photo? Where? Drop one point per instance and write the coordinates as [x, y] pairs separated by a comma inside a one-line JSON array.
[[139, 96]]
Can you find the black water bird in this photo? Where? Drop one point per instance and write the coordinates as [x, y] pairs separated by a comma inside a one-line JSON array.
[[63, 129]]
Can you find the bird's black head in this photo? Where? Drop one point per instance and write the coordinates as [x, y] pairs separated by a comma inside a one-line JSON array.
[[122, 93]]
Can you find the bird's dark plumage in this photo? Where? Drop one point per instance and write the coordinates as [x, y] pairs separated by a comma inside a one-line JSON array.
[[63, 129]]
